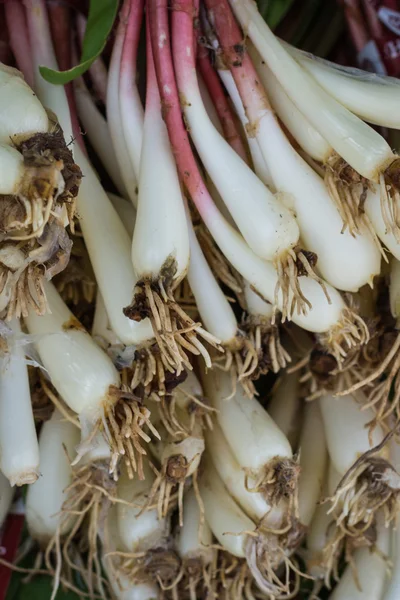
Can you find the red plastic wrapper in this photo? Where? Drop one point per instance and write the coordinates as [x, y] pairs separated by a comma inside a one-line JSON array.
[[374, 26], [10, 538]]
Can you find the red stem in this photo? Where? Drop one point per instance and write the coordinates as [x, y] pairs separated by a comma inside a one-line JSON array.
[[222, 106], [152, 92], [231, 40], [356, 24], [19, 39], [60, 28], [128, 70], [187, 167]]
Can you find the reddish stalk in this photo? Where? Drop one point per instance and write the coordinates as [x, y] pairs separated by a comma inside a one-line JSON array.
[[221, 103], [130, 102], [189, 173], [232, 44], [60, 28], [19, 39], [98, 70]]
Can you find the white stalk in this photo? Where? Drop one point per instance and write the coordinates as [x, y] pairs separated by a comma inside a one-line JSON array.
[[96, 128], [263, 276], [260, 166], [108, 244], [195, 537], [114, 117], [121, 585], [186, 390], [285, 407], [317, 216], [394, 289], [138, 532], [6, 496], [373, 97], [373, 210], [233, 476], [215, 311], [346, 430], [80, 371], [52, 96], [371, 569], [44, 500], [19, 449], [313, 462], [160, 234], [11, 169], [225, 518], [253, 436], [131, 115], [317, 537], [125, 210], [101, 323], [21, 113], [268, 227], [360, 145], [392, 591], [308, 138], [209, 105], [255, 305]]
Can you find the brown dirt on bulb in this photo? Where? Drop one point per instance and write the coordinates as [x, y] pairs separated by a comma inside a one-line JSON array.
[[175, 332], [288, 295], [125, 419], [265, 338], [348, 190], [44, 150]]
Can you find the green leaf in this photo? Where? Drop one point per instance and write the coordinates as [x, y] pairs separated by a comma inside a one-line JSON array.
[[102, 14], [274, 11]]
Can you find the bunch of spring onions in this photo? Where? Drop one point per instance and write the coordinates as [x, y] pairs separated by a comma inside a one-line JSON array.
[[199, 309]]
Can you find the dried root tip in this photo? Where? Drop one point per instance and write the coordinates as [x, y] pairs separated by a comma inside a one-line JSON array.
[[51, 178], [22, 290], [123, 426], [25, 265], [88, 499], [370, 485], [265, 338], [264, 556], [349, 334], [152, 376], [290, 266], [77, 283], [278, 481], [160, 564], [175, 332], [390, 198], [383, 395], [221, 268], [241, 361], [198, 410], [348, 190], [339, 546]]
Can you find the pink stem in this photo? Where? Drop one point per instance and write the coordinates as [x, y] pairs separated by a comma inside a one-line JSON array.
[[19, 39], [98, 70], [356, 24], [60, 27], [230, 36], [127, 72], [222, 106], [152, 93], [187, 167]]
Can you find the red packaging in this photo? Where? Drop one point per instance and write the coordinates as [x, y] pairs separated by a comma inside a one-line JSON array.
[[382, 52]]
